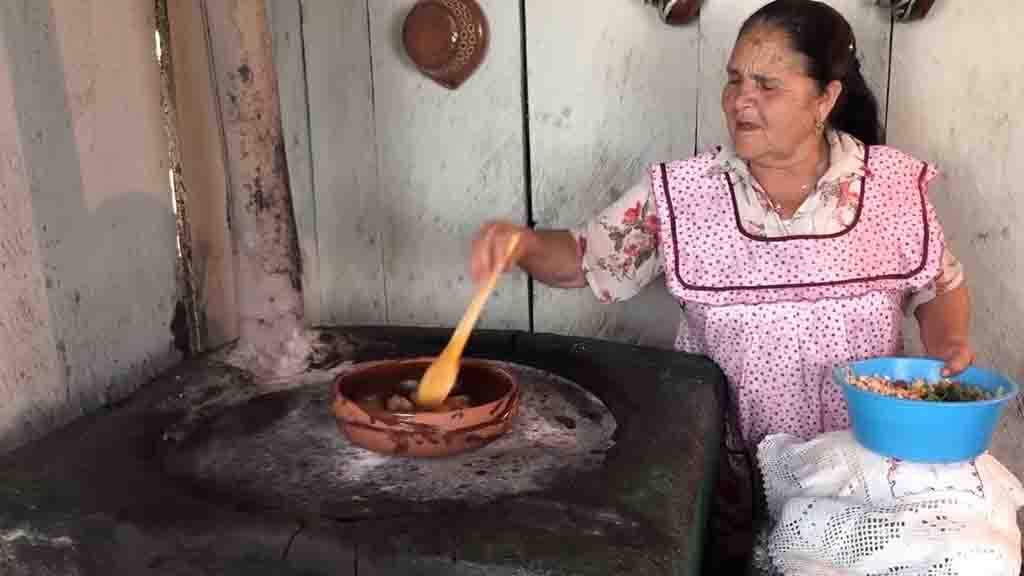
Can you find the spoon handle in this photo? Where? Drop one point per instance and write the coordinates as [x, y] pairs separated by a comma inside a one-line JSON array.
[[468, 321]]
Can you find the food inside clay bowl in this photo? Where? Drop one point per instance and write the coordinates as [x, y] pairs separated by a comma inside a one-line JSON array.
[[400, 399], [374, 408]]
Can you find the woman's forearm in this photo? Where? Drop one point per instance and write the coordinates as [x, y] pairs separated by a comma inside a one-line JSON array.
[[553, 258], [944, 323]]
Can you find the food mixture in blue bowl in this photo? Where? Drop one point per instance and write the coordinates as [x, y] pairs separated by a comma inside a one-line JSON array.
[[904, 408]]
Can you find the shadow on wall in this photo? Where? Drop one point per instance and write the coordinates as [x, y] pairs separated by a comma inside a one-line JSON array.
[[109, 268], [990, 273], [1008, 443]]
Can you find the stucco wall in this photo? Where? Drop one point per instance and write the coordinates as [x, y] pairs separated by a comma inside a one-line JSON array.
[[91, 228]]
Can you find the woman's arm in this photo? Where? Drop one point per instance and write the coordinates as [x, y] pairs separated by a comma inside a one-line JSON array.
[[549, 256], [944, 324], [615, 253]]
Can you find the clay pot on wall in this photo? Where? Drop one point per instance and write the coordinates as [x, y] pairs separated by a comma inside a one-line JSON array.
[[446, 39], [904, 10], [676, 12]]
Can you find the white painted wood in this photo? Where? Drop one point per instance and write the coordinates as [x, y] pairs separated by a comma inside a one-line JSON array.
[[957, 85], [350, 217], [289, 56], [201, 148], [611, 90], [447, 160], [719, 24], [86, 94]]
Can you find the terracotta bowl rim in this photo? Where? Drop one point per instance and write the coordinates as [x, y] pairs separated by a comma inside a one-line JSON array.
[[423, 417]]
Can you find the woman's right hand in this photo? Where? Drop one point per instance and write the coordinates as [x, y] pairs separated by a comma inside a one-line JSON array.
[[490, 246]]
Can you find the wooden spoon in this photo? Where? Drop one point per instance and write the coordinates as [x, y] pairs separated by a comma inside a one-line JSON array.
[[440, 377]]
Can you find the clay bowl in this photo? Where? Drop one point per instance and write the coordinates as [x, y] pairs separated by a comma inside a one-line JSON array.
[[446, 39], [679, 12], [494, 395]]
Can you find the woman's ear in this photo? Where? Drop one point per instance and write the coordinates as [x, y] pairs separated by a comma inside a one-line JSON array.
[[828, 99]]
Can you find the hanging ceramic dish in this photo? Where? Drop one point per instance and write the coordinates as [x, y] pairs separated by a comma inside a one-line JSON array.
[[903, 10], [676, 12], [446, 39]]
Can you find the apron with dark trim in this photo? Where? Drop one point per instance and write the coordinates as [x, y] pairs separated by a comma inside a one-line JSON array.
[[777, 314]]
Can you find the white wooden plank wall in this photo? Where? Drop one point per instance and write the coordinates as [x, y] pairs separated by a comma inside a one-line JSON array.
[[611, 90], [955, 101], [402, 170], [289, 58], [349, 216], [446, 160], [203, 171]]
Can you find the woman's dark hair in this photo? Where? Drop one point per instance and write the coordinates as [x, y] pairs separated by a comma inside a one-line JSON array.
[[825, 38]]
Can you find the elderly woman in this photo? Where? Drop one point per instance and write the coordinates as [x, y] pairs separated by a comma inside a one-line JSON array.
[[793, 249]]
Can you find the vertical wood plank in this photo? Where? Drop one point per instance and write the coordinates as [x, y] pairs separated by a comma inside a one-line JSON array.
[[956, 89], [350, 223], [447, 161], [611, 90], [719, 24], [290, 60], [201, 149]]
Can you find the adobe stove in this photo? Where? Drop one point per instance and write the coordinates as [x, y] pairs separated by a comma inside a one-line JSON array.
[[604, 467]]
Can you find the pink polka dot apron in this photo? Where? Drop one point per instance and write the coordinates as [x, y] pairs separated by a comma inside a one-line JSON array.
[[777, 314]]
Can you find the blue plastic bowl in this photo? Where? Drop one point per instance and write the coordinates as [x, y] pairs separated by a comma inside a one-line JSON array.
[[917, 430]]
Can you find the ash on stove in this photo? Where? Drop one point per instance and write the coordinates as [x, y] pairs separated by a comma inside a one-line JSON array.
[[285, 450]]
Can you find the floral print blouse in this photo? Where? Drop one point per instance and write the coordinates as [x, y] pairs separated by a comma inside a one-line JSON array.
[[619, 246]]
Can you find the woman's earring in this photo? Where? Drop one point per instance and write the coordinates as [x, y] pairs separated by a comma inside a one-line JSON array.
[[819, 126]]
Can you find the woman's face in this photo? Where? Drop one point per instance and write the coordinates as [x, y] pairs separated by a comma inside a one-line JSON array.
[[771, 105]]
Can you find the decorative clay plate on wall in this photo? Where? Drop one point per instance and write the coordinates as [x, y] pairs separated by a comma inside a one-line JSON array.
[[446, 39], [908, 9], [677, 12]]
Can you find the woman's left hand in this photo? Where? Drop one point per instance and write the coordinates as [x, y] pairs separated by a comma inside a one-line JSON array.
[[958, 357], [944, 329]]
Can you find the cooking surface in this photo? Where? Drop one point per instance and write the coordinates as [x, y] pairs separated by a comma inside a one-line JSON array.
[[290, 450], [96, 497]]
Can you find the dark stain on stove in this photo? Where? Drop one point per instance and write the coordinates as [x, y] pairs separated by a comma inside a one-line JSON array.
[[254, 417], [566, 421], [208, 394]]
